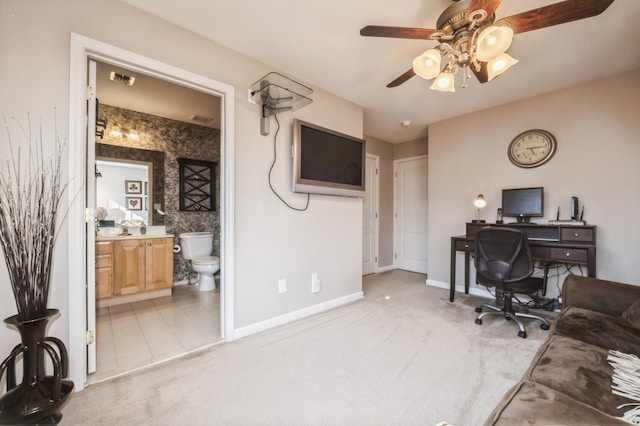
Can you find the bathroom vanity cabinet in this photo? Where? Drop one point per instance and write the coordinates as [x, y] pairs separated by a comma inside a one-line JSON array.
[[130, 266], [104, 269]]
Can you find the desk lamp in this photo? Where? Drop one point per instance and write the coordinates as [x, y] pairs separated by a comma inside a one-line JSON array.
[[479, 203]]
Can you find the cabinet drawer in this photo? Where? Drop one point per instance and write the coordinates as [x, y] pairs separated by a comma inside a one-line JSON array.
[[465, 246], [582, 235], [576, 255], [103, 247], [540, 252], [103, 261]]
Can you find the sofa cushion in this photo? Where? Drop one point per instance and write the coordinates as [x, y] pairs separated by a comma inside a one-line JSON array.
[[632, 314], [598, 329], [579, 370], [530, 403]]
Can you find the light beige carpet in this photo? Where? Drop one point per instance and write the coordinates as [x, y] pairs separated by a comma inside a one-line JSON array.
[[404, 355]]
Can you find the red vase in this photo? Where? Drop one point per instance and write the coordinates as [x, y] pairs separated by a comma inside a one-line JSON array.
[[38, 399]]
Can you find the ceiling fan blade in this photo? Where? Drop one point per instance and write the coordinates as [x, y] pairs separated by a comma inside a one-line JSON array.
[[554, 14], [482, 74], [397, 32], [404, 77], [489, 6]]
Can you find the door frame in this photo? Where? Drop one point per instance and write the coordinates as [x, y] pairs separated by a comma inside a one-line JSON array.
[[395, 201], [376, 226], [81, 50]]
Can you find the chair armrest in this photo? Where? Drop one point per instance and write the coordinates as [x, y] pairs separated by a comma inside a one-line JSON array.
[[608, 297]]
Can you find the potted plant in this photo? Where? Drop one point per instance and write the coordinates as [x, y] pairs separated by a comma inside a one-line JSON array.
[[31, 189]]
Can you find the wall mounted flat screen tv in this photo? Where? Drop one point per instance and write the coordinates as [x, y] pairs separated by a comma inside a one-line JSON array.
[[327, 162], [523, 203]]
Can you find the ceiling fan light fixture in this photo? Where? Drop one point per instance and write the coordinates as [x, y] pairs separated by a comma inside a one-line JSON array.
[[499, 65], [493, 41], [427, 65], [444, 82]]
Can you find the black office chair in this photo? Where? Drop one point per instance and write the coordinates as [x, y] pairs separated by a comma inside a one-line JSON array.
[[503, 260]]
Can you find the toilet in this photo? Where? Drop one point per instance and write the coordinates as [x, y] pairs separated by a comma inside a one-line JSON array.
[[197, 247]]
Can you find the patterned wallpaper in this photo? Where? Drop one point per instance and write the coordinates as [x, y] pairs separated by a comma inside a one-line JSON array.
[[176, 140]]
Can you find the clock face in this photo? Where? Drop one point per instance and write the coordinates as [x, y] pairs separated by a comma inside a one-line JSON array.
[[532, 148]]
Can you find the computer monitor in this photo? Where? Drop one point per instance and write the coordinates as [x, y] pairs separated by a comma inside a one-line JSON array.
[[523, 203]]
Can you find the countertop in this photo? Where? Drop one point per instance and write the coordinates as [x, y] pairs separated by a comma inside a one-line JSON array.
[[131, 237]]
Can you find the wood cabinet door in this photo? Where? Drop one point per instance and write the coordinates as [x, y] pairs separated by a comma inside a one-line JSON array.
[[129, 267], [104, 269], [159, 263]]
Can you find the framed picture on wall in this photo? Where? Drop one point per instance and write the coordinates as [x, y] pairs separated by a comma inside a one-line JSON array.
[[134, 203], [133, 187]]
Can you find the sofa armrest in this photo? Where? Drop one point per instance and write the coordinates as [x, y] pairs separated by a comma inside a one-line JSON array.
[[608, 297]]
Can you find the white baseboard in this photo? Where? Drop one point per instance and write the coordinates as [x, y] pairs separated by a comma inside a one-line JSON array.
[[475, 290], [295, 315], [385, 268]]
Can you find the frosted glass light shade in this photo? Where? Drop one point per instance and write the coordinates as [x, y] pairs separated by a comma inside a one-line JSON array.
[[497, 66], [480, 201], [133, 135], [116, 132], [493, 41], [444, 82], [427, 65]]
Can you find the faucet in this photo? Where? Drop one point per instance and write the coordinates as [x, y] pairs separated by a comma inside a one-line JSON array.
[[125, 231]]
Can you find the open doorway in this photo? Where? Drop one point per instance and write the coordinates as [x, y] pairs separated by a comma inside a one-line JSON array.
[[83, 50], [142, 117]]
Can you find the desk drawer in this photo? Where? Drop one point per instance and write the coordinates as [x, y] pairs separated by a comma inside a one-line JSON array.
[[581, 235], [540, 252], [465, 246], [573, 254]]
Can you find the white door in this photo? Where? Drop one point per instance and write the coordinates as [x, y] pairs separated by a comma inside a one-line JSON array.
[[370, 217], [91, 226], [410, 204]]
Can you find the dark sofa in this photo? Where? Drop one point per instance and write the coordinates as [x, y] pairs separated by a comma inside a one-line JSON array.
[[569, 379]]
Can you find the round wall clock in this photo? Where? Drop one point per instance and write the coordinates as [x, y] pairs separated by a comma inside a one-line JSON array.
[[532, 148]]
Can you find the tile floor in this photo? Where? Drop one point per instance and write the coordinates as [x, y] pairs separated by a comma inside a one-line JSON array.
[[136, 334]]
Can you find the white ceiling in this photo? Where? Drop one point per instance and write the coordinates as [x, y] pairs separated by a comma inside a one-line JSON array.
[[319, 43]]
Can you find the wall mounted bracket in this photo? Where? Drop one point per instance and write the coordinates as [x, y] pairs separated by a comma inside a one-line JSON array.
[[277, 93]]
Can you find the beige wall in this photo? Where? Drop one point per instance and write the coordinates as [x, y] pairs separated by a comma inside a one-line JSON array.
[[271, 241], [384, 150], [597, 160], [410, 149]]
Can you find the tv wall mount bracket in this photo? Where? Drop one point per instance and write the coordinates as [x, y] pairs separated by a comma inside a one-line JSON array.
[[277, 93]]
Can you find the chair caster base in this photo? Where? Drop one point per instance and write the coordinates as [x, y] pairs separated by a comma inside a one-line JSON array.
[[478, 321], [544, 326], [522, 334]]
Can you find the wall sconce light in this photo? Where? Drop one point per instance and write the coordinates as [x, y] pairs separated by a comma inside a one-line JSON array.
[[479, 203], [133, 135], [115, 131]]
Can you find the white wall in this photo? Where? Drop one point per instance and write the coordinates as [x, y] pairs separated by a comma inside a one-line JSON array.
[[598, 160], [271, 242]]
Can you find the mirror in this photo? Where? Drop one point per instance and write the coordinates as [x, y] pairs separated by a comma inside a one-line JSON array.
[[129, 201], [123, 191]]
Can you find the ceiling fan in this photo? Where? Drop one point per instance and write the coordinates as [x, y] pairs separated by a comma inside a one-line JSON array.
[[471, 39]]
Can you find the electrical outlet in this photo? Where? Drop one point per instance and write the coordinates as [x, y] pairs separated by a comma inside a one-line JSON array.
[[250, 96], [315, 283], [282, 286]]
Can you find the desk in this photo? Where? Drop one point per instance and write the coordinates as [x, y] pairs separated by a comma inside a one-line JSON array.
[[549, 243]]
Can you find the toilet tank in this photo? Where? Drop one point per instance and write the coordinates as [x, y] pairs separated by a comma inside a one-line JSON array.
[[196, 244]]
